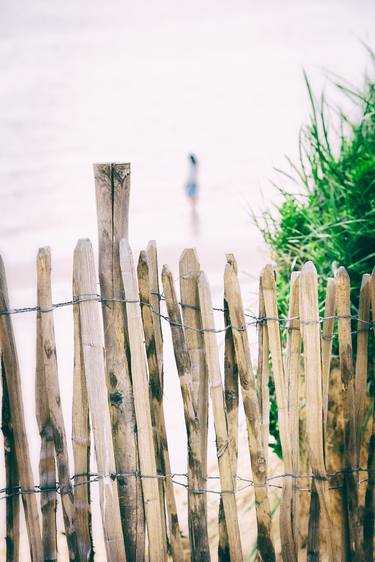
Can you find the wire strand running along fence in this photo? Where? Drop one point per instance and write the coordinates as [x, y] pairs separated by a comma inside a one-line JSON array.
[[324, 408]]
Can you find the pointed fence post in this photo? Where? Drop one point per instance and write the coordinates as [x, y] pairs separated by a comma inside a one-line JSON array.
[[189, 272], [52, 393], [292, 374], [310, 323], [252, 413], [81, 445], [350, 422], [112, 183], [288, 545], [155, 361], [150, 488], [220, 421], [198, 535], [12, 538], [94, 369], [47, 466], [231, 396], [369, 511], [13, 380]]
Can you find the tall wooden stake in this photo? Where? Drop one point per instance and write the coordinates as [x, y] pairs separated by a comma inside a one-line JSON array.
[[47, 467], [288, 546], [314, 405], [94, 369], [220, 421], [81, 446], [13, 380], [12, 538], [150, 488], [112, 183], [252, 413], [52, 393], [154, 360]]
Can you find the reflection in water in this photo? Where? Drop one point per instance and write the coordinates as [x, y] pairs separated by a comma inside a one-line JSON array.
[[194, 222]]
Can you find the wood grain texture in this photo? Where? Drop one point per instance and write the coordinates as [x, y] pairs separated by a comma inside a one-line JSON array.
[[94, 369], [310, 325], [112, 184], [288, 545], [13, 380], [198, 535], [52, 393], [220, 421], [350, 422], [12, 509], [252, 413], [150, 488], [81, 442], [189, 271], [155, 362], [47, 466]]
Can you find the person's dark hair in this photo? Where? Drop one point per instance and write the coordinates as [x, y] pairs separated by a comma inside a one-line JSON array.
[[193, 159]]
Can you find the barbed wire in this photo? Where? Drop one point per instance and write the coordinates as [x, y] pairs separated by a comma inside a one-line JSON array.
[[255, 320], [271, 482]]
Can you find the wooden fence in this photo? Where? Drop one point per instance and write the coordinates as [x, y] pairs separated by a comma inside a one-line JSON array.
[[325, 414]]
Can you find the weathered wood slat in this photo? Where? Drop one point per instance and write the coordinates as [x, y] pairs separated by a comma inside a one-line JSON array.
[[94, 369], [361, 400], [288, 546], [326, 345], [231, 396], [263, 372], [112, 182], [310, 324], [52, 393], [220, 421], [47, 467], [150, 488], [200, 551], [369, 511], [155, 362], [189, 272], [81, 446], [292, 376], [12, 537], [350, 424], [13, 380], [252, 413]]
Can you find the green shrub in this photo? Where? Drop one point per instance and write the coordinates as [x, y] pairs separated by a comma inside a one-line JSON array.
[[332, 219]]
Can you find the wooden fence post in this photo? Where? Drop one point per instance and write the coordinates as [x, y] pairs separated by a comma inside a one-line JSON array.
[[310, 324], [350, 427], [94, 369], [231, 396], [292, 374], [200, 551], [13, 380], [189, 272], [360, 386], [81, 445], [327, 335], [47, 467], [220, 422], [252, 413], [263, 372], [155, 361], [52, 393], [288, 545], [150, 488], [12, 537], [112, 183], [369, 511]]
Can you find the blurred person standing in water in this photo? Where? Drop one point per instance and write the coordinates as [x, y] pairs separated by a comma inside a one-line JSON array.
[[192, 182]]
